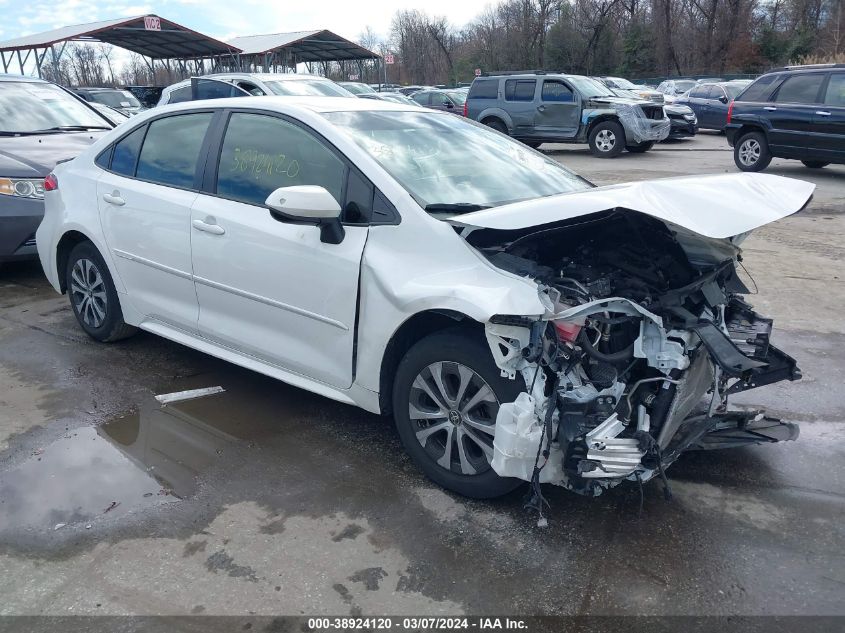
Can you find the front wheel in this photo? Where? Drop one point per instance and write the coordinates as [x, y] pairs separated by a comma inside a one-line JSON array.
[[607, 139], [639, 148], [814, 164], [446, 396], [93, 297], [751, 152]]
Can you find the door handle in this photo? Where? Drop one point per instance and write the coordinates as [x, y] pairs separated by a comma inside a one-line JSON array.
[[214, 229], [114, 198], [770, 108], [822, 112]]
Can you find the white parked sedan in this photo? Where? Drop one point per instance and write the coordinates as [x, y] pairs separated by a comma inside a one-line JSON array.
[[519, 323]]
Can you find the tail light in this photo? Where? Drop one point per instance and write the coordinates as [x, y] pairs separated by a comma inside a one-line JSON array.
[[730, 111], [567, 331], [51, 183], [466, 109]]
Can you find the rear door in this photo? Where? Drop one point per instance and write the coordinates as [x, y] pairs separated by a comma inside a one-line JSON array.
[[519, 97], [558, 110], [267, 287], [792, 114], [829, 121], [145, 199]]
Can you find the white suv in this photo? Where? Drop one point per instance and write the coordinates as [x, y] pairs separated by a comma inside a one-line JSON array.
[[519, 323], [252, 84]]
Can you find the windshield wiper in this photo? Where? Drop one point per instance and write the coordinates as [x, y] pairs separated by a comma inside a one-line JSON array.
[[455, 207], [71, 128]]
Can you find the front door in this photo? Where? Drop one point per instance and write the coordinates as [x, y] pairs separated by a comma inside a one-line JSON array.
[[269, 288], [792, 112], [145, 199], [558, 110]]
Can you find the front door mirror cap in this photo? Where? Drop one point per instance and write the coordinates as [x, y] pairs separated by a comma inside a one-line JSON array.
[[308, 204]]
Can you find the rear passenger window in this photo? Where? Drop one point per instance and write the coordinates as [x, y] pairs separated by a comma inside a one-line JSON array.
[[180, 95], [484, 89], [125, 155], [262, 153], [557, 91], [835, 94], [803, 88], [520, 89], [171, 149], [423, 98], [760, 89]]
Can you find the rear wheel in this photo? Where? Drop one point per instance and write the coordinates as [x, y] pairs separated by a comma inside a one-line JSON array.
[[815, 164], [446, 397], [93, 297], [607, 139], [497, 125], [751, 152], [639, 148]]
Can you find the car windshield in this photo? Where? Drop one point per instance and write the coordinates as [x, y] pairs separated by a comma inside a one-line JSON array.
[[451, 165], [27, 107], [307, 88], [115, 98], [589, 87], [624, 84], [358, 89], [458, 96]]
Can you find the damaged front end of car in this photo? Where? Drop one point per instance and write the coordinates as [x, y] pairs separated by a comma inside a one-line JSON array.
[[645, 336]]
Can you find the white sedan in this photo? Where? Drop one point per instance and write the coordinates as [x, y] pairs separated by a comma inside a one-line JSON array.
[[518, 322]]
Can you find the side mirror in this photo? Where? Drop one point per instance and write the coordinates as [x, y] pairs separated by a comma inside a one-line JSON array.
[[723, 99], [450, 105], [308, 204]]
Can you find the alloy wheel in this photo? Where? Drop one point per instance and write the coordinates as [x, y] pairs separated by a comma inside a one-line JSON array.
[[88, 292], [605, 140], [453, 413], [749, 152]]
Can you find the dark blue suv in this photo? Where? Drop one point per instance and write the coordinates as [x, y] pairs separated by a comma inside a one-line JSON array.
[[796, 112]]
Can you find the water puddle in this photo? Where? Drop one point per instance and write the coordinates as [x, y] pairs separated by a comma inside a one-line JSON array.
[[139, 460]]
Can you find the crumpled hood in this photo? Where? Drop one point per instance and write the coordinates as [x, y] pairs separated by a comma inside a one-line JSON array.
[[35, 156], [718, 206]]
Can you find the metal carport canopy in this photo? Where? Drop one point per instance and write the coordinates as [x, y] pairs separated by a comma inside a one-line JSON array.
[[170, 41], [307, 46]]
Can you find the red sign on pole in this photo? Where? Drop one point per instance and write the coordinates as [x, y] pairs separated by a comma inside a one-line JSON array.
[[152, 23], [478, 72], [388, 59]]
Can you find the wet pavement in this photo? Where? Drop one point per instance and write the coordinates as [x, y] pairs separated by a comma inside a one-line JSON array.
[[267, 499]]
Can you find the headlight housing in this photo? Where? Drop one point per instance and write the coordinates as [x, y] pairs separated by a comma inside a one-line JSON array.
[[22, 187]]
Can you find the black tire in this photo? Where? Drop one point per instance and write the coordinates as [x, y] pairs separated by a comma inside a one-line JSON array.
[[100, 316], [497, 125], [640, 148], [452, 348], [815, 164], [607, 139], [751, 152], [532, 144]]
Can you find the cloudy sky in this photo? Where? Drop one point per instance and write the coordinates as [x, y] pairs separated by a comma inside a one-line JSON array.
[[228, 18]]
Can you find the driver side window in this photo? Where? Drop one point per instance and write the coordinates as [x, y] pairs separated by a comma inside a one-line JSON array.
[[261, 153]]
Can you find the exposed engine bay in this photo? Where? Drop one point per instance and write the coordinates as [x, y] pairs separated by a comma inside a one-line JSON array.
[[646, 335]]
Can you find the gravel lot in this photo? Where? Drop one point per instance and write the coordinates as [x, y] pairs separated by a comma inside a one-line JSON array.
[[270, 500]]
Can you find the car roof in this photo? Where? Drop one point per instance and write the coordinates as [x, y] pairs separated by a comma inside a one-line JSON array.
[[294, 103], [34, 80]]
